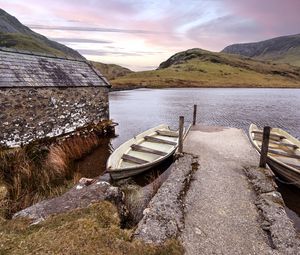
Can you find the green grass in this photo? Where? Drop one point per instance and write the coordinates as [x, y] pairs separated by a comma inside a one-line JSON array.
[[111, 71], [207, 69], [93, 230], [292, 56], [28, 43]]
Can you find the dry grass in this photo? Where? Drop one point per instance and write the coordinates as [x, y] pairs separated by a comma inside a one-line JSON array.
[[3, 201], [111, 71], [40, 170], [93, 230], [214, 70], [29, 177], [61, 155]]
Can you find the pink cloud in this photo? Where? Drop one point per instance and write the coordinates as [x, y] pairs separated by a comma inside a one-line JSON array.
[[177, 25], [275, 17]]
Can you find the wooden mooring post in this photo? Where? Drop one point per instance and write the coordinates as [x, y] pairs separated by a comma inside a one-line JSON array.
[[195, 115], [264, 147], [180, 138]]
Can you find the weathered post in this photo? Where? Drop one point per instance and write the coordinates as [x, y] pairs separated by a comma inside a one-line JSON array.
[[180, 138], [194, 114], [264, 147]]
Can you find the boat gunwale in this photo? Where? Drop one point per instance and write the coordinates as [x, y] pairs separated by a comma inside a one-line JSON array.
[[146, 165], [269, 156]]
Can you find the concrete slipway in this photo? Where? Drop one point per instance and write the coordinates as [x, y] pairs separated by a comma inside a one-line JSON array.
[[226, 206]]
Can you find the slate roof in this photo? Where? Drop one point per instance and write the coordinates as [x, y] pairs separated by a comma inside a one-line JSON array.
[[27, 69]]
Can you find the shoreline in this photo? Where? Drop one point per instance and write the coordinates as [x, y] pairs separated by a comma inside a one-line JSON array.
[[127, 88]]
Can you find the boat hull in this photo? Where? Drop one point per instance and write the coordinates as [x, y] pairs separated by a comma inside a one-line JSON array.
[[143, 152], [125, 173], [286, 171], [287, 174]]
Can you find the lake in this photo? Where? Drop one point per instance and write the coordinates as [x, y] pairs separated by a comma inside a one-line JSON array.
[[141, 109], [138, 110]]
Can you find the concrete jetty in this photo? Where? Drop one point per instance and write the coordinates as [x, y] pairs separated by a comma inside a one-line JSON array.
[[227, 206], [221, 216]]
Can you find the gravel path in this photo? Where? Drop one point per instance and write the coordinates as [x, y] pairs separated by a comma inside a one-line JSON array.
[[220, 214]]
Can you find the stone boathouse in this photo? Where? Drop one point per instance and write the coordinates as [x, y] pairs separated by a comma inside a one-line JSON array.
[[45, 96]]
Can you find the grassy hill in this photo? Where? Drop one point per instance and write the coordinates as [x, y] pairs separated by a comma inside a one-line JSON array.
[[28, 43], [13, 34], [191, 68], [284, 49], [111, 71], [200, 68]]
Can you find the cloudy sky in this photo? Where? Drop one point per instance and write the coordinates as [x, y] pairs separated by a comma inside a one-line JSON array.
[[140, 34]]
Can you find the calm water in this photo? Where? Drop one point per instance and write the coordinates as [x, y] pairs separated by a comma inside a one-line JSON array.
[[139, 110]]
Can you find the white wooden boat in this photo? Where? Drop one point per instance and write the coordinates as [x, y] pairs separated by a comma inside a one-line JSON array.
[[283, 153], [142, 152]]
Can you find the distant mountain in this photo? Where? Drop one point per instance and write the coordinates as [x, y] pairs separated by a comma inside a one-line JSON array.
[[111, 71], [284, 49], [201, 68], [13, 34]]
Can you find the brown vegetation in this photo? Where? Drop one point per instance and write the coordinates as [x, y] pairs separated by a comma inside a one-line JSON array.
[[43, 169], [93, 230]]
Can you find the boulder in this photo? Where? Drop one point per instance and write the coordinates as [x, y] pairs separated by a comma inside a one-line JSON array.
[[86, 192]]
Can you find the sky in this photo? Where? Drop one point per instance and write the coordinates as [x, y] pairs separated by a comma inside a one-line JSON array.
[[140, 34]]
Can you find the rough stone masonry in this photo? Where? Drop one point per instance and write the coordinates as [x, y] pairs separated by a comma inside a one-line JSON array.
[[45, 96]]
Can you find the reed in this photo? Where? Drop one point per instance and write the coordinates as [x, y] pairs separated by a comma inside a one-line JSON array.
[[43, 169]]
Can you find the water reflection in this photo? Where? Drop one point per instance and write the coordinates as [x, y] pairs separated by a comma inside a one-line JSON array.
[[94, 164], [138, 110], [291, 196]]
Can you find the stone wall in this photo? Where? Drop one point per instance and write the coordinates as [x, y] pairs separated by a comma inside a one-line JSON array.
[[27, 114]]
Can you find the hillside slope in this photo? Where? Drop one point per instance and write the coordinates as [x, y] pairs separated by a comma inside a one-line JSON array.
[[284, 49], [13, 34], [111, 71], [200, 68]]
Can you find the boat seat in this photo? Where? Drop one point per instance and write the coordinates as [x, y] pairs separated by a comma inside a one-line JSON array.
[[158, 140], [259, 137], [167, 133], [281, 143], [134, 159], [141, 148], [288, 155], [271, 134]]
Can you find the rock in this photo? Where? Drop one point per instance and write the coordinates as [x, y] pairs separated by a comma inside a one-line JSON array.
[[86, 181], [105, 177], [262, 179], [275, 222], [87, 191], [163, 218]]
